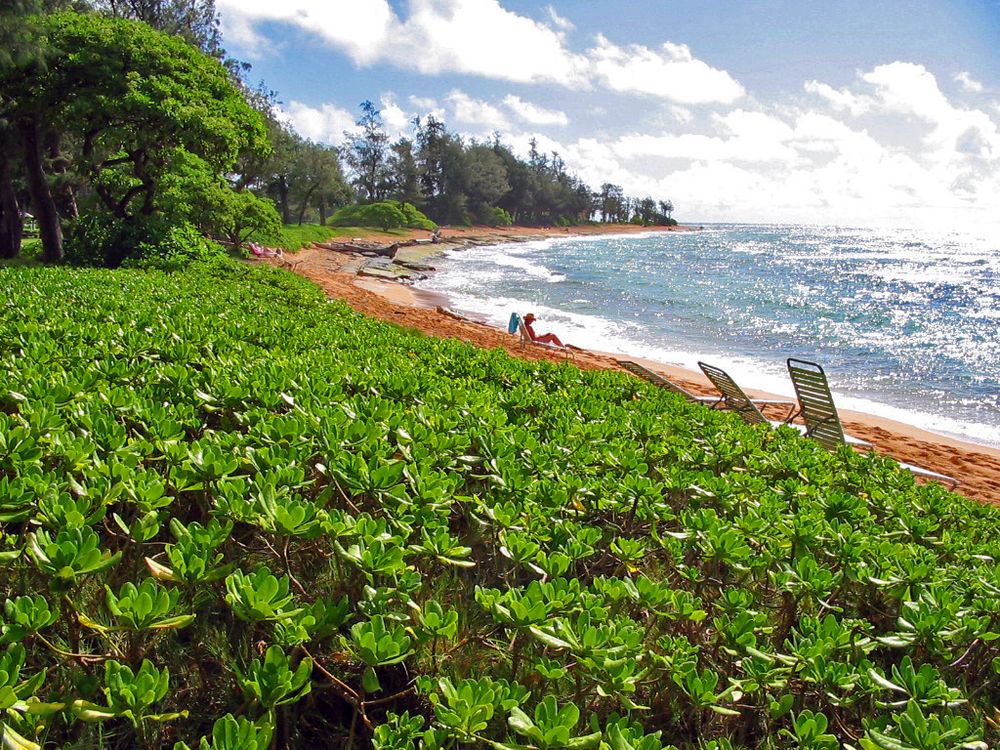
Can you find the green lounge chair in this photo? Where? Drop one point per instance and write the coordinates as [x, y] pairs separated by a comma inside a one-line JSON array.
[[818, 411], [738, 401], [668, 385]]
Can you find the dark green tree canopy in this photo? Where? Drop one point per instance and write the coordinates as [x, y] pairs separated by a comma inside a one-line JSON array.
[[367, 154], [134, 98]]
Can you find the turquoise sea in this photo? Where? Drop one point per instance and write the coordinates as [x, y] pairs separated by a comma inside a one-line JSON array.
[[904, 321]]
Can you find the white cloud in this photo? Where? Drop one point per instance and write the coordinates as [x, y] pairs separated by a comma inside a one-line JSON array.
[[907, 88], [471, 111], [238, 29], [395, 118], [424, 103], [889, 148], [563, 24], [968, 83], [956, 133], [840, 99], [680, 114], [482, 38], [819, 134], [475, 37], [744, 137], [324, 124], [672, 73], [361, 29], [533, 114]]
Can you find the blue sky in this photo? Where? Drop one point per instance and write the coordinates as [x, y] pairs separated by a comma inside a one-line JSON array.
[[847, 113]]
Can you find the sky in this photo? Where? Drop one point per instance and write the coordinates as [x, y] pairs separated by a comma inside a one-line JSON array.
[[854, 113]]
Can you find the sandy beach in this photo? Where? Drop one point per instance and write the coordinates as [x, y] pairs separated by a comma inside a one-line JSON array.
[[337, 273]]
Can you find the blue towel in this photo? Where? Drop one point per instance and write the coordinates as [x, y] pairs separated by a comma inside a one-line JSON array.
[[515, 320]]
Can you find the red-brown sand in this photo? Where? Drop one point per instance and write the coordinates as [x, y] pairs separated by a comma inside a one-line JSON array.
[[977, 467]]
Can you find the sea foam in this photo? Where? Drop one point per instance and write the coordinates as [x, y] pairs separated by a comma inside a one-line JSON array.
[[904, 321]]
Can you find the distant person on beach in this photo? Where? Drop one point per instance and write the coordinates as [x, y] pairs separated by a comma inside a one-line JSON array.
[[545, 338], [260, 252]]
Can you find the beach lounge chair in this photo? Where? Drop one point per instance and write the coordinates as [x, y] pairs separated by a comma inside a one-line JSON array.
[[737, 400], [668, 385], [822, 421], [526, 339]]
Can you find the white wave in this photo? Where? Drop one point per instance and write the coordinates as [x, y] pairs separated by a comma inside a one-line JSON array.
[[922, 274], [471, 276], [485, 268], [975, 432]]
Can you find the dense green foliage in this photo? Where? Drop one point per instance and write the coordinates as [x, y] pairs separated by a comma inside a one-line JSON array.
[[384, 215], [108, 114], [222, 496], [194, 21], [155, 242], [130, 120], [458, 181]]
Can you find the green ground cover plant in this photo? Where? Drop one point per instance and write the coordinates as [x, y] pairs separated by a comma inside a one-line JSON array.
[[236, 515], [296, 236]]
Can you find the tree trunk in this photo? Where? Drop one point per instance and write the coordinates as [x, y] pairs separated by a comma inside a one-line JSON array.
[[41, 197], [305, 204], [322, 212], [11, 224], [65, 195], [286, 216]]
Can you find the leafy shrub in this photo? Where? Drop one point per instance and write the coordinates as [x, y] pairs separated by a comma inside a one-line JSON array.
[[193, 192], [386, 215], [178, 246], [494, 216], [415, 218], [98, 239]]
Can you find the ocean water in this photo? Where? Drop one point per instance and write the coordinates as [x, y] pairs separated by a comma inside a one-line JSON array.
[[904, 322]]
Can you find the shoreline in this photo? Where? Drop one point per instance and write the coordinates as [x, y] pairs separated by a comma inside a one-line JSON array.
[[976, 466]]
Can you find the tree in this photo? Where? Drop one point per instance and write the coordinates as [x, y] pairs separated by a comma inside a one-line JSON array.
[[517, 201], [316, 179], [11, 223], [277, 170], [404, 177], [195, 21], [366, 153], [611, 203], [193, 193], [645, 210], [136, 101], [22, 48], [486, 181], [443, 172]]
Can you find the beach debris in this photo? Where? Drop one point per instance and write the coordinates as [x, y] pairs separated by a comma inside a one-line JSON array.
[[379, 272], [370, 249], [451, 313], [413, 266]]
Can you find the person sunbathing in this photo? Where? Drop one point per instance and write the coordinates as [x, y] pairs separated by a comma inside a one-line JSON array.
[[261, 252], [545, 338]]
